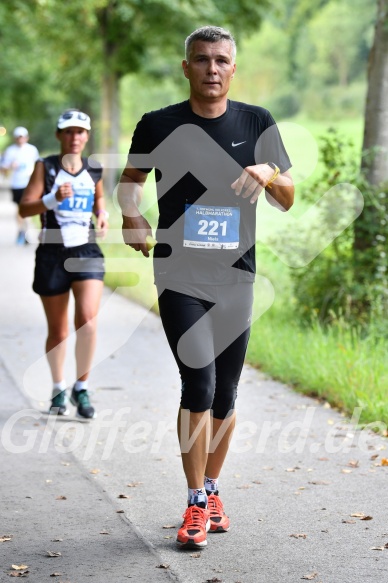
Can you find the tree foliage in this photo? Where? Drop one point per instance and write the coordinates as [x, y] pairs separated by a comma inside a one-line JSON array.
[[86, 46], [350, 279]]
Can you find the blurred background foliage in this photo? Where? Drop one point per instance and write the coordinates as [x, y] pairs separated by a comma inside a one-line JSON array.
[[294, 57]]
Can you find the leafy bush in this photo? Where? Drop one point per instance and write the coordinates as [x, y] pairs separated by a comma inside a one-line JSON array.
[[345, 282]]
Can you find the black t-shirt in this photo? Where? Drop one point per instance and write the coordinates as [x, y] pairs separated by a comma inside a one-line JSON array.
[[205, 233]]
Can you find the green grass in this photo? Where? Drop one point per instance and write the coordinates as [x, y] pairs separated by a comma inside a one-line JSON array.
[[127, 269], [335, 365]]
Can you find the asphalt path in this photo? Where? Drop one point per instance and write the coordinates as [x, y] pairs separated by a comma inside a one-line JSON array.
[[306, 491]]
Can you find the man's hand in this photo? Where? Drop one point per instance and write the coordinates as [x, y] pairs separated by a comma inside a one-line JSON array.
[[252, 181], [135, 231]]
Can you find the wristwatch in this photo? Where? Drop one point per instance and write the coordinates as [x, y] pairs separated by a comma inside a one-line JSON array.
[[275, 174]]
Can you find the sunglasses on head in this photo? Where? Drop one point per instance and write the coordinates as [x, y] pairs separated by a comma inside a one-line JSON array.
[[75, 114]]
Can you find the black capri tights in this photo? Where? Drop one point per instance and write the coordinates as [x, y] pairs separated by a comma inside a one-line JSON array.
[[209, 341]]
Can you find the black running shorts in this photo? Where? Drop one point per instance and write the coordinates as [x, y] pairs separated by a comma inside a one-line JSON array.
[[17, 194], [209, 341], [57, 267]]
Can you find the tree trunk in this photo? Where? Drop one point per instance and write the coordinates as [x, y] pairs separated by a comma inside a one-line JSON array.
[[110, 112], [376, 110], [375, 144], [110, 127]]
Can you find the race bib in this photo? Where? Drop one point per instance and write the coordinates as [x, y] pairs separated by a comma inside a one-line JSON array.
[[211, 227], [81, 202]]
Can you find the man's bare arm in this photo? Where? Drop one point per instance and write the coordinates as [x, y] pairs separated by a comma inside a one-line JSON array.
[[130, 194]]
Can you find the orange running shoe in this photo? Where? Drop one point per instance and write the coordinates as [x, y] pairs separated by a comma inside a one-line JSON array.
[[219, 522], [192, 533]]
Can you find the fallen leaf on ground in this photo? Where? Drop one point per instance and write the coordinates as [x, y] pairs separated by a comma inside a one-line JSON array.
[[214, 580], [57, 540], [123, 496], [345, 471], [5, 538], [55, 574], [19, 574], [311, 576], [358, 515], [349, 521], [256, 482], [169, 526], [104, 532], [53, 554], [133, 484], [301, 535], [162, 566], [367, 518], [120, 511], [377, 548], [319, 482], [61, 498], [195, 555], [384, 461], [95, 471], [19, 567], [353, 463]]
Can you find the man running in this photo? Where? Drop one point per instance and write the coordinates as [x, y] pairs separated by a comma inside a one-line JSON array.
[[213, 157], [19, 159]]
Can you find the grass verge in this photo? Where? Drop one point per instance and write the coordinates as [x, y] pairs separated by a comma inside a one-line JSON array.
[[335, 365]]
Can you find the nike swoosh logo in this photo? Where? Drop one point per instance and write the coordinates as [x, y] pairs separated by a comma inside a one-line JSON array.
[[238, 144]]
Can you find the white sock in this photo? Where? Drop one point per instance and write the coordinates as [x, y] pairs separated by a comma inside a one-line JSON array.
[[81, 385], [211, 484], [59, 387], [196, 495]]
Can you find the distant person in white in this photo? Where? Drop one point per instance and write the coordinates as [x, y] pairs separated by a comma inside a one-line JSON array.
[[19, 159]]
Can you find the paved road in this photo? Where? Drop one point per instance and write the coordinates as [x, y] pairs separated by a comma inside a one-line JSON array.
[[108, 495]]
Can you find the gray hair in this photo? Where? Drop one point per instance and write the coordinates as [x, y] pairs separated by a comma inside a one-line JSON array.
[[210, 34]]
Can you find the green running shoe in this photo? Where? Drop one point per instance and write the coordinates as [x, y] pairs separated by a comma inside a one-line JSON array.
[[80, 399], [58, 404]]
